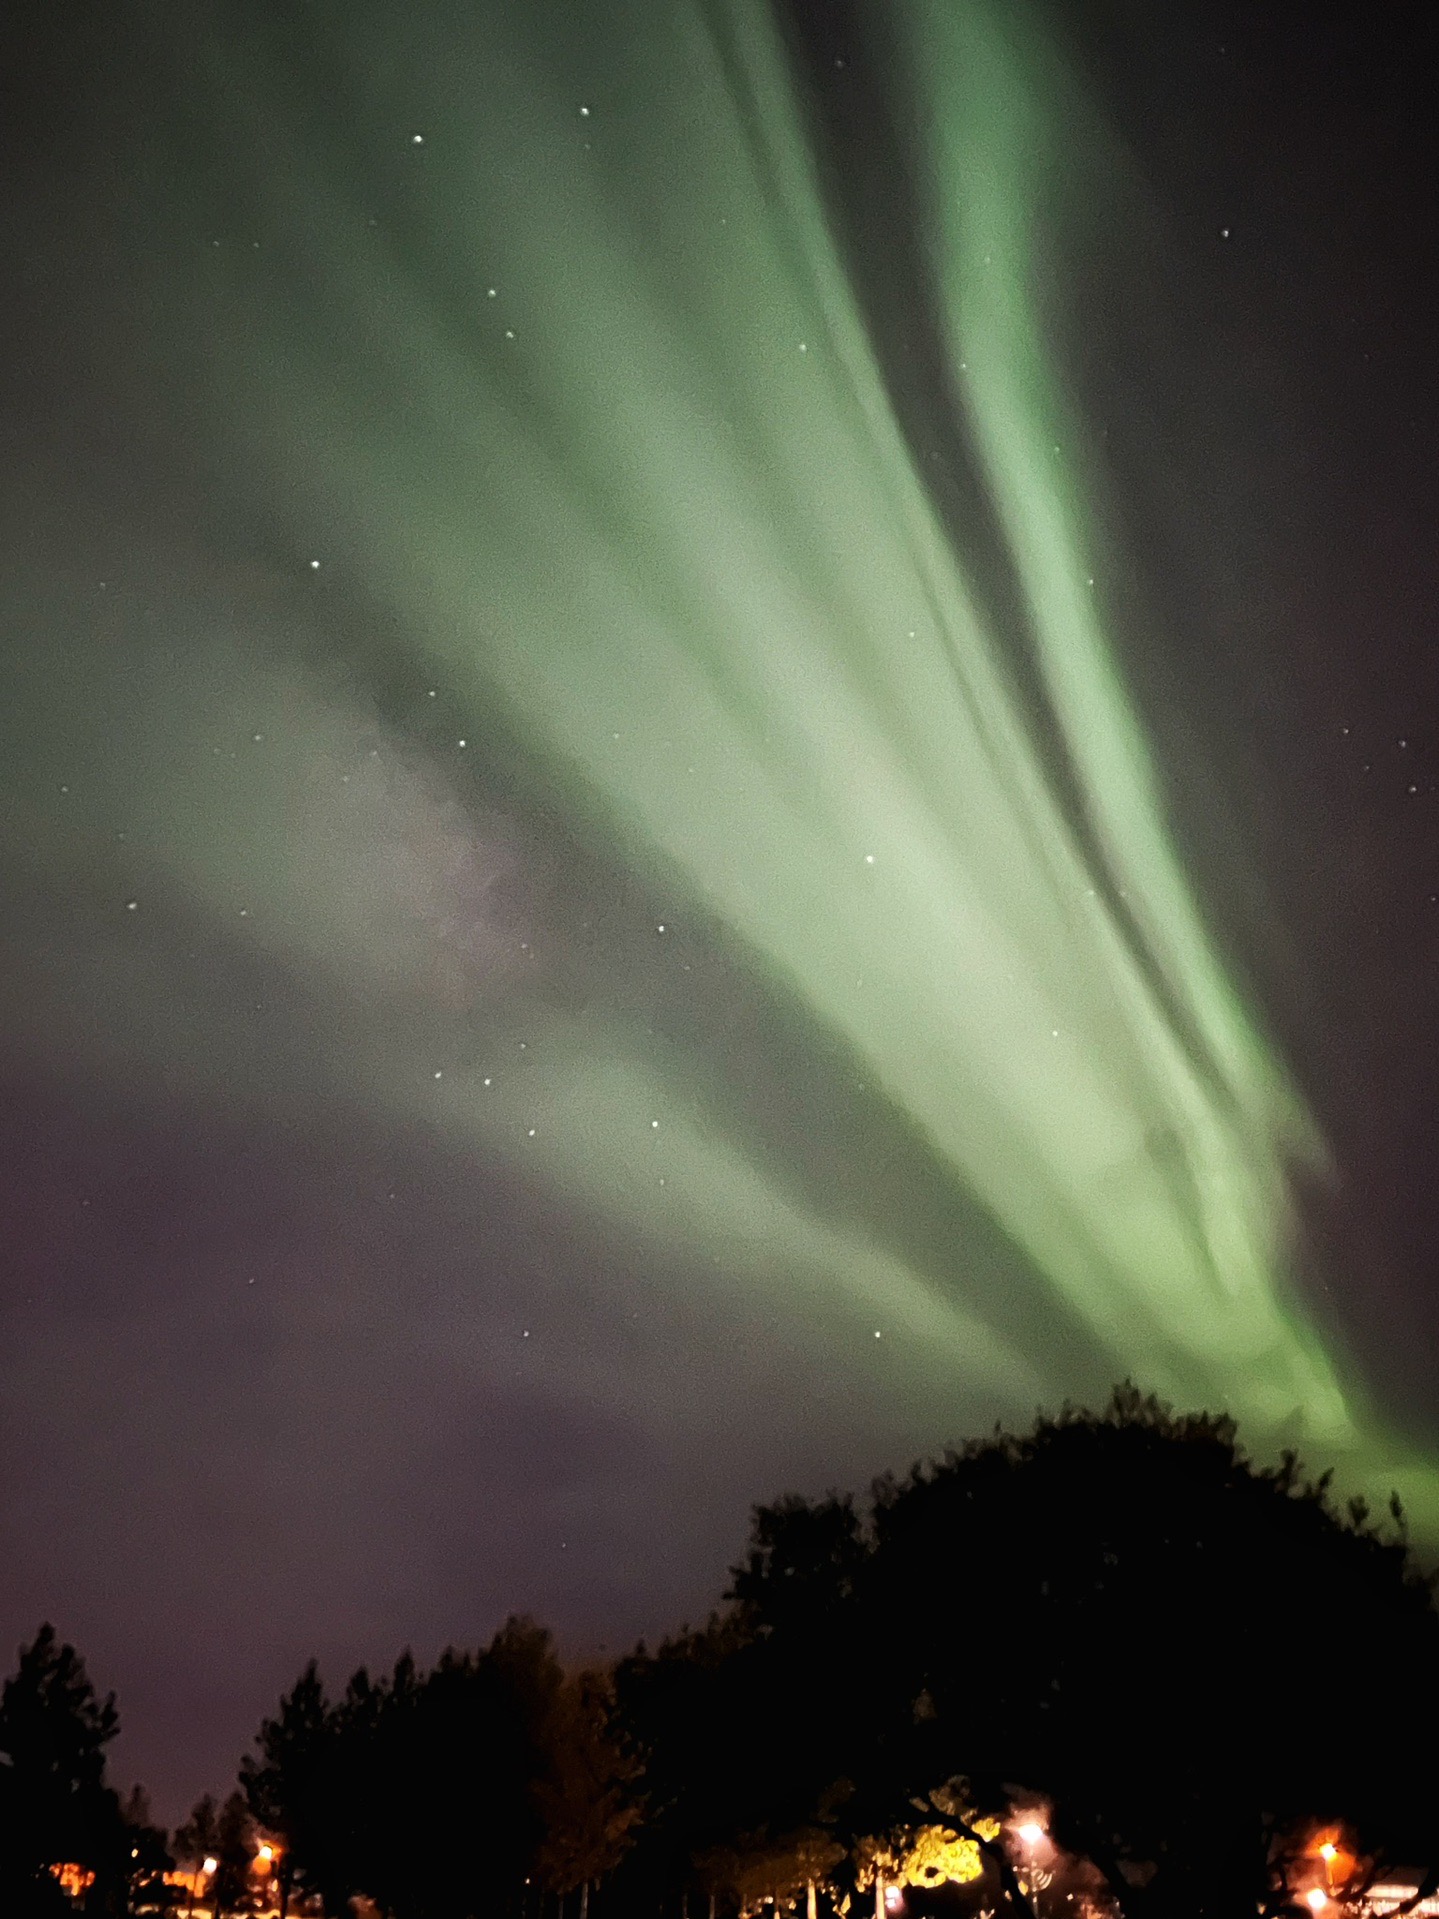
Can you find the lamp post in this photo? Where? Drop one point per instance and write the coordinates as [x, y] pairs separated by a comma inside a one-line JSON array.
[[1032, 1836], [265, 1867], [208, 1867]]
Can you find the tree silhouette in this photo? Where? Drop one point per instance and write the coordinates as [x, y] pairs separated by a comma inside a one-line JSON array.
[[1124, 1613], [466, 1760], [746, 1728], [295, 1787], [148, 1856], [234, 1853], [685, 1712], [585, 1799], [784, 1870], [198, 1839], [1180, 1656], [1118, 1614], [418, 1791], [55, 1807]]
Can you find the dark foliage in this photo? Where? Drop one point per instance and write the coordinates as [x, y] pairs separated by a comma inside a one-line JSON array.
[[1188, 1655], [225, 1833], [428, 1793], [1187, 1660], [55, 1806], [1191, 1657]]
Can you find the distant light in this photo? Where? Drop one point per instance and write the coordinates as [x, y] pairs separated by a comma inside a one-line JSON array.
[[211, 1865], [893, 1898], [267, 1853], [1031, 1832], [1328, 1850], [1316, 1899]]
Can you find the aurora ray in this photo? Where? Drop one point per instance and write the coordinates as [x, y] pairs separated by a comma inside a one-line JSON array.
[[594, 412]]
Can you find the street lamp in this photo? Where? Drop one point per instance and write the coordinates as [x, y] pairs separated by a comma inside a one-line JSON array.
[[207, 1867], [1033, 1836]]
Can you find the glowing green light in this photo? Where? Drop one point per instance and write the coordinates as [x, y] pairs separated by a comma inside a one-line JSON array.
[[599, 419]]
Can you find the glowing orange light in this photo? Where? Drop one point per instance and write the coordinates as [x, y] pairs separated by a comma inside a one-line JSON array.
[[266, 1853], [76, 1880], [211, 1865], [1328, 1850], [1031, 1832], [1316, 1899]]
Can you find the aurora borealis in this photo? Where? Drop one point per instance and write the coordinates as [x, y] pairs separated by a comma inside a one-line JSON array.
[[586, 846]]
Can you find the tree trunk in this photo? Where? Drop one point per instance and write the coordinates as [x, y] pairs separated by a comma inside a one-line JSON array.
[[585, 1900], [878, 1894], [712, 1906], [811, 1906]]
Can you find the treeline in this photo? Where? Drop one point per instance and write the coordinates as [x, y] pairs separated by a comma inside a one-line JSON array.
[[1106, 1667], [1117, 1627], [435, 1793], [56, 1809]]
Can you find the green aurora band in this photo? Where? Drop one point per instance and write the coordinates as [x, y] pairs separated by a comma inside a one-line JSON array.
[[601, 426]]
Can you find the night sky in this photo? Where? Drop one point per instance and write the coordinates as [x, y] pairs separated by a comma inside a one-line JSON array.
[[717, 757]]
